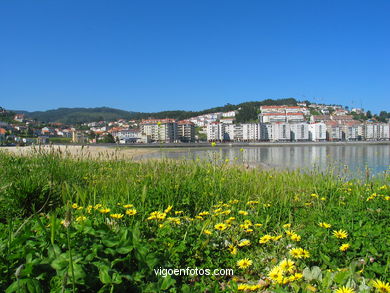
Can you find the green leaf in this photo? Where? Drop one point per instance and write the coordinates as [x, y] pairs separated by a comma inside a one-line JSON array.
[[104, 276], [167, 283], [124, 250]]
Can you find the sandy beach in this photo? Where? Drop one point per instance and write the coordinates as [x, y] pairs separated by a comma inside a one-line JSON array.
[[86, 152]]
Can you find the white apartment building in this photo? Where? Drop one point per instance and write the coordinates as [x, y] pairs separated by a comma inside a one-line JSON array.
[[215, 131], [251, 132], [266, 131], [229, 131], [377, 131], [230, 114], [281, 132], [317, 131], [299, 131], [238, 132], [160, 130]]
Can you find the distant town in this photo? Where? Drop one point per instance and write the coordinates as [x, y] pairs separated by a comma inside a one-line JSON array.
[[303, 122]]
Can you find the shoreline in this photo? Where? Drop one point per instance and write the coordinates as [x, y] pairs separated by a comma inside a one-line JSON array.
[[231, 144]]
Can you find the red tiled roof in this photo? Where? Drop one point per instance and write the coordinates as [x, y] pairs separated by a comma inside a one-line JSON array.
[[185, 122], [155, 121], [282, 114], [3, 131], [280, 107]]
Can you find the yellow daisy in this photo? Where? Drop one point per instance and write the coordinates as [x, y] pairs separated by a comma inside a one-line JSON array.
[[244, 263]]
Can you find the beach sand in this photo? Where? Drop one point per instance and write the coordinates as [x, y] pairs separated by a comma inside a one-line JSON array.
[[85, 152]]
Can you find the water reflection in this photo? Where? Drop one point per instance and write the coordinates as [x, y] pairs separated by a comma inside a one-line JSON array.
[[354, 157]]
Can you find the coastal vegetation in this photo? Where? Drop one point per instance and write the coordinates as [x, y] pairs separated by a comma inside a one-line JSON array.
[[76, 225]]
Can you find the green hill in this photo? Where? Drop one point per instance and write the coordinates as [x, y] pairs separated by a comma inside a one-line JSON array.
[[246, 112]]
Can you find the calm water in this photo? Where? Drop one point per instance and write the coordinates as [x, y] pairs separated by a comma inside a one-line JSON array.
[[354, 158]]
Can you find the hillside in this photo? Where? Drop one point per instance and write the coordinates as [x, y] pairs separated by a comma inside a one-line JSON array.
[[246, 112]]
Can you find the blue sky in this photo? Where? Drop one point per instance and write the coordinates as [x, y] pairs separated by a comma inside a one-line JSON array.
[[164, 55]]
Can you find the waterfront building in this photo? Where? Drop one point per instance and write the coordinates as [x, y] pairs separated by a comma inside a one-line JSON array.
[[160, 130], [186, 131], [215, 131], [333, 131], [317, 131], [251, 131], [299, 131], [281, 131]]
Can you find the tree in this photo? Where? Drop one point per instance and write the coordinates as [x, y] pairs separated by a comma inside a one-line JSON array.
[[369, 115], [108, 139]]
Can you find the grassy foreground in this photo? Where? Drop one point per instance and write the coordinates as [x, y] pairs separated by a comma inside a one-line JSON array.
[[87, 226]]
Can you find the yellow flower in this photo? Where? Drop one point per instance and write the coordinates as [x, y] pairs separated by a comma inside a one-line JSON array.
[[174, 220], [258, 225], [207, 232], [244, 263], [104, 211], [131, 212], [275, 274], [381, 286], [344, 247], [168, 209], [230, 220], [220, 226], [244, 213], [116, 216], [344, 289], [299, 253], [97, 206], [276, 238], [232, 249], [128, 206], [203, 214], [244, 242], [265, 239], [298, 276], [242, 287], [295, 237], [287, 265], [324, 225], [286, 226], [161, 216], [198, 217], [248, 223], [81, 218], [75, 206], [341, 234], [314, 195], [178, 212]]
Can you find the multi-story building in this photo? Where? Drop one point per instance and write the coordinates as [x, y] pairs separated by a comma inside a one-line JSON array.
[[333, 131], [270, 114], [160, 130], [238, 132], [125, 135], [377, 131], [299, 131], [281, 132], [186, 131], [317, 131], [215, 131], [230, 114], [229, 131], [266, 131], [251, 132]]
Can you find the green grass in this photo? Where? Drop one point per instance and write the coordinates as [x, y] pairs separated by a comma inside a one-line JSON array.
[[101, 253]]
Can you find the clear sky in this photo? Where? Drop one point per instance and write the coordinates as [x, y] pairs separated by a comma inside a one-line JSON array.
[[192, 54]]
